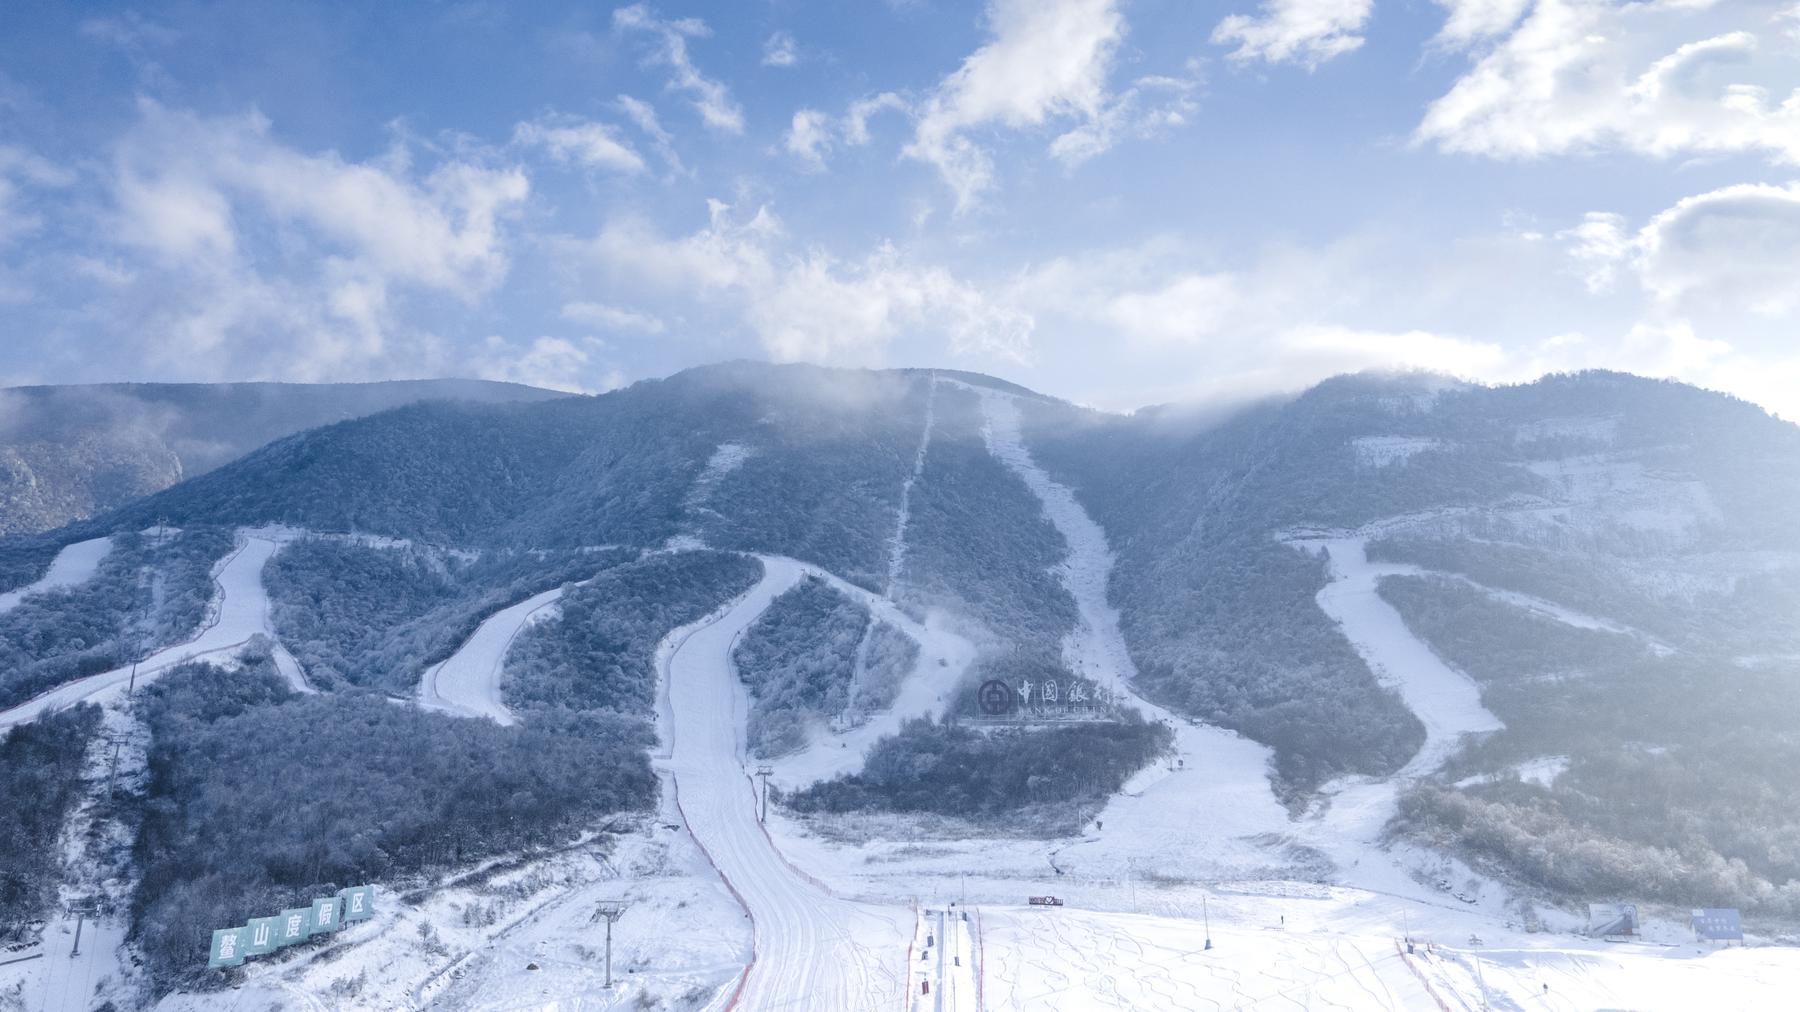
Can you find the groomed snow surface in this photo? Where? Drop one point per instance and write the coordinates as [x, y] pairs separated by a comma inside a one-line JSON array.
[[813, 950], [467, 684], [73, 565]]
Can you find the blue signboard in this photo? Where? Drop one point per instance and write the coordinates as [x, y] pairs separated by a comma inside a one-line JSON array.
[[358, 903], [1719, 924], [324, 915], [293, 926], [266, 934], [227, 948]]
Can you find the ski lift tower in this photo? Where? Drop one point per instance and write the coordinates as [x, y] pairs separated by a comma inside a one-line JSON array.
[[612, 910], [763, 773]]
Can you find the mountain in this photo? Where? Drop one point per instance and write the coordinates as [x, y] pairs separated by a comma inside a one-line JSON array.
[[1526, 607], [69, 452]]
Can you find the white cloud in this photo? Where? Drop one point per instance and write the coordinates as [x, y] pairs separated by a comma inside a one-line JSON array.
[[856, 120], [598, 314], [1331, 350], [1307, 32], [1663, 79], [809, 137], [805, 304], [781, 51], [711, 98], [644, 115], [130, 31], [581, 142], [1148, 107], [1737, 246], [1597, 246], [812, 133], [553, 363], [1732, 250], [1046, 60], [22, 172], [251, 258], [1473, 20], [182, 178], [1187, 308]]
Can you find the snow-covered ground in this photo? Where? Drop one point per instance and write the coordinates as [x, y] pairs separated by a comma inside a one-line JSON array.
[[523, 935], [813, 950], [467, 683], [1380, 451], [239, 611], [1076, 961], [73, 566]]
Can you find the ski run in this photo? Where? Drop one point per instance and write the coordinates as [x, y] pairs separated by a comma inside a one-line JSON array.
[[71, 567], [467, 684]]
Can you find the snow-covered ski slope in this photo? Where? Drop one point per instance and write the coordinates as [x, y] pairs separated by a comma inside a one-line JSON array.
[[73, 565], [240, 610], [1445, 700], [813, 950], [1202, 806], [467, 684]]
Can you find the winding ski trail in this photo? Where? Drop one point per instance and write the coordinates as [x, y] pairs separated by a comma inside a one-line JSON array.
[[467, 683], [812, 949], [240, 610]]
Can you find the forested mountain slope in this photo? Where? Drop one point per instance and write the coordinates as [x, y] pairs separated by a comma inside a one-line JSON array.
[[1636, 536], [69, 452]]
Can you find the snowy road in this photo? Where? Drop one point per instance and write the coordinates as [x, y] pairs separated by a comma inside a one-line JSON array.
[[240, 610], [468, 683], [72, 566], [813, 951]]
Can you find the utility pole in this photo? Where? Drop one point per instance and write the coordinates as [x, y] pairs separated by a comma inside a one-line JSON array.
[[764, 772], [612, 910], [1207, 915]]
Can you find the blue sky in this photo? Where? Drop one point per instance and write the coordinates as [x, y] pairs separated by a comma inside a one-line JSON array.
[[1116, 202]]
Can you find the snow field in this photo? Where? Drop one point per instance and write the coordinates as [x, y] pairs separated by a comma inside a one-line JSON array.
[[73, 566], [469, 943]]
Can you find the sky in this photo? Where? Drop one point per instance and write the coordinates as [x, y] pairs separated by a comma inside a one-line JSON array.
[[1119, 202]]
